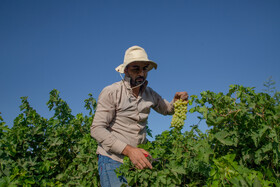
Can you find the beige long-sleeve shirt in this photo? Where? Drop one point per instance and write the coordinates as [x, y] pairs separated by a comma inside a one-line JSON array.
[[121, 118]]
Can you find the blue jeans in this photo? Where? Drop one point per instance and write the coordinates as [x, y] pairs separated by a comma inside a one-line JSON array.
[[106, 169]]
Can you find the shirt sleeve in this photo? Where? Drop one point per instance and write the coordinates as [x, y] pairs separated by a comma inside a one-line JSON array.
[[104, 114], [162, 106]]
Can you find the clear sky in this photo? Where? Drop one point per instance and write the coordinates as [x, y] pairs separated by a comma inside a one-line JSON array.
[[74, 46]]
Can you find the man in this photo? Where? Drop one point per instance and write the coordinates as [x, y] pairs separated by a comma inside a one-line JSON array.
[[119, 124]]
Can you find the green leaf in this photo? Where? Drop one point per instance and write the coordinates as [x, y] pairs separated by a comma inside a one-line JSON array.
[[179, 170], [257, 183], [222, 136], [29, 181]]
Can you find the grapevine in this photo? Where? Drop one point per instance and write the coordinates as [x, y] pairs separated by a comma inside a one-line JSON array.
[[181, 108]]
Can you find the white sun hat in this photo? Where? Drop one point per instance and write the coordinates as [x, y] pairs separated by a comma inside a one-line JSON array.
[[135, 54]]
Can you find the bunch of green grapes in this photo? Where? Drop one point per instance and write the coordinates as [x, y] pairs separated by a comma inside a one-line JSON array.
[[181, 108]]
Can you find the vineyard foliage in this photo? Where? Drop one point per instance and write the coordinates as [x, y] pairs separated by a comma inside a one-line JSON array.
[[49, 152], [240, 148]]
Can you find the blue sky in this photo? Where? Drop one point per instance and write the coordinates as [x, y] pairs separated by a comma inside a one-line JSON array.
[[74, 46]]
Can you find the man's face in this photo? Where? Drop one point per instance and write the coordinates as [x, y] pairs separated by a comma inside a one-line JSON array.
[[137, 71]]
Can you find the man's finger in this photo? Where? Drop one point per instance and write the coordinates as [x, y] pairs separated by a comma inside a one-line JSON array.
[[148, 164], [139, 166], [183, 95], [143, 163]]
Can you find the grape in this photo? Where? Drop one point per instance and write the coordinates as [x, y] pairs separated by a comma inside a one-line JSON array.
[[178, 118]]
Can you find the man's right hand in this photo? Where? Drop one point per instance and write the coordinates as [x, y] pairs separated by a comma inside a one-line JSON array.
[[137, 157]]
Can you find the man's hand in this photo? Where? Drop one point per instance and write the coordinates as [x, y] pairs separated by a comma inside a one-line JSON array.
[[137, 157], [181, 95]]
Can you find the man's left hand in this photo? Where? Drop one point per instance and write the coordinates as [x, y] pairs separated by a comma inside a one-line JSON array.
[[181, 95]]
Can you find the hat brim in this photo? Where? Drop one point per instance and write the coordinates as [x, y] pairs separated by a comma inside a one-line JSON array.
[[122, 67]]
